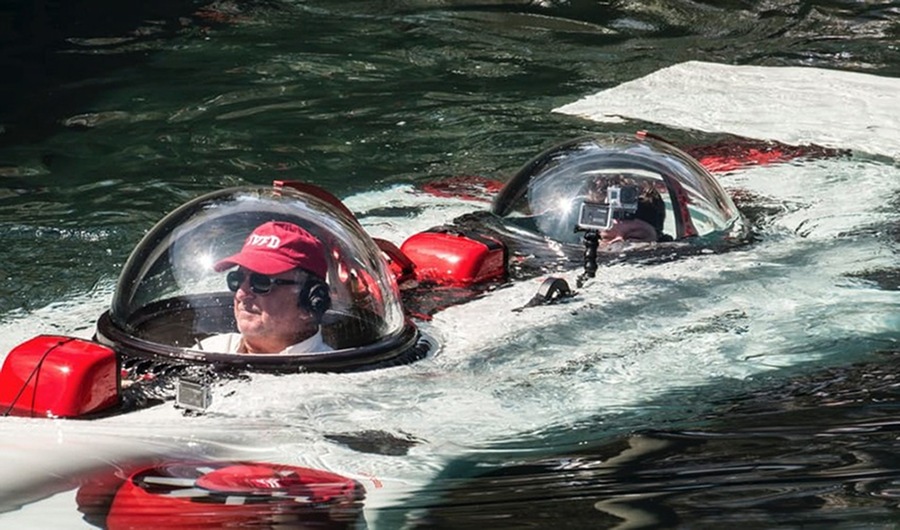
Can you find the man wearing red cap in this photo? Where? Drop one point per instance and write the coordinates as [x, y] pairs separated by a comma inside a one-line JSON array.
[[280, 294]]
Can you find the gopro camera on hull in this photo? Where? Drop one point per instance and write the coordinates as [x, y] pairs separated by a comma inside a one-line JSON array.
[[624, 198], [621, 203]]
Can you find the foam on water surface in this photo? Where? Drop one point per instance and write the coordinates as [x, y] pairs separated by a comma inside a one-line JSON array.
[[795, 105]]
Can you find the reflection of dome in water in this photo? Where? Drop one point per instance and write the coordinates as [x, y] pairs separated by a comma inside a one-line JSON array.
[[546, 195], [169, 297]]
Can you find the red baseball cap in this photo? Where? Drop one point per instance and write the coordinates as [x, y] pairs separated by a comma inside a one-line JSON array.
[[277, 247]]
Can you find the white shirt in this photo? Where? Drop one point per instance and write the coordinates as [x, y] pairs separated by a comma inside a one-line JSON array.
[[230, 342]]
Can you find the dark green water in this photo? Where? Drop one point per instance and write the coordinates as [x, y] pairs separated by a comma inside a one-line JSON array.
[[113, 114]]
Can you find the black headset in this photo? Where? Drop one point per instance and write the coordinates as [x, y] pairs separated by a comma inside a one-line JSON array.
[[315, 296]]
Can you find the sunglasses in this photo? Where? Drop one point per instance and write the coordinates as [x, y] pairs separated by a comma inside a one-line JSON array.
[[259, 283]]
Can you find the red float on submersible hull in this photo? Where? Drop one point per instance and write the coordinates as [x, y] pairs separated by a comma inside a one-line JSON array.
[[211, 495]]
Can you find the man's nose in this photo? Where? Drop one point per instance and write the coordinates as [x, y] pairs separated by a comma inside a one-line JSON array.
[[244, 290]]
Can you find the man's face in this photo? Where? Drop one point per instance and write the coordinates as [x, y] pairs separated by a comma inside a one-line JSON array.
[[271, 322]]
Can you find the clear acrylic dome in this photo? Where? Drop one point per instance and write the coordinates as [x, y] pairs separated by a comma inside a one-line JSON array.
[[545, 196], [170, 297]]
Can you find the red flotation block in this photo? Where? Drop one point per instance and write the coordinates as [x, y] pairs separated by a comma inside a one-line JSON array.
[[451, 257], [58, 376]]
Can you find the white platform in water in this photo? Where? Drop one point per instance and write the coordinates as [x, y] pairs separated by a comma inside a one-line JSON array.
[[795, 105]]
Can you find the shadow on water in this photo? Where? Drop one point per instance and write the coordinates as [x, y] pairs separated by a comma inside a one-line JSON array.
[[789, 452]]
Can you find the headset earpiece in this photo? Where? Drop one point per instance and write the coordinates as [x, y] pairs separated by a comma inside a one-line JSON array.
[[315, 297]]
